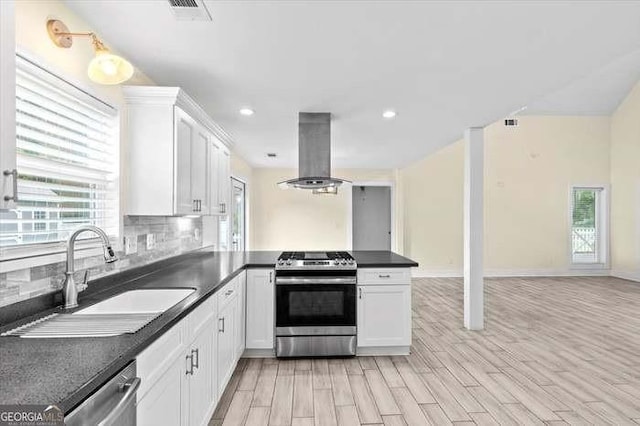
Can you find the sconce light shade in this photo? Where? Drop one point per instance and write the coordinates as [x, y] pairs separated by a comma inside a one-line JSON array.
[[107, 68]]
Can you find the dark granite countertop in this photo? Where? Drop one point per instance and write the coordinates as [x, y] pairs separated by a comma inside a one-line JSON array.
[[381, 259], [65, 371]]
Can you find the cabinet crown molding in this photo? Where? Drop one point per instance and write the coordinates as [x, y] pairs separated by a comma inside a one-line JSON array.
[[167, 95]]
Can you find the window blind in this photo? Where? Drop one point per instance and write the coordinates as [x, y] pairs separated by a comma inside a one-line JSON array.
[[67, 161]]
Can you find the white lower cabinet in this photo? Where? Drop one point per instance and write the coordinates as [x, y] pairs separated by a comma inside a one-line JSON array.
[[226, 344], [162, 404], [186, 370], [384, 315], [199, 363], [260, 309], [241, 314]]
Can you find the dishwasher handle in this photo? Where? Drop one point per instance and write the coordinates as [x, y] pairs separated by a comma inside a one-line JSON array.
[[129, 389]]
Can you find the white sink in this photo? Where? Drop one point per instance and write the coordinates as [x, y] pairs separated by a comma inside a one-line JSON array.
[[139, 302]]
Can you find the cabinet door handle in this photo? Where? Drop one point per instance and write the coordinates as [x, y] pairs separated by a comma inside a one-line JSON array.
[[199, 205], [14, 174], [221, 207], [384, 276], [194, 206], [195, 364], [221, 320], [270, 277], [189, 358], [360, 293]]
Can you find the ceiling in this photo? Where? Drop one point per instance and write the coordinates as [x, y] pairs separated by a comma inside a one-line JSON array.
[[443, 66]]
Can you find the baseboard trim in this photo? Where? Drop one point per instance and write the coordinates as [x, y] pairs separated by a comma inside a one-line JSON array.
[[626, 275], [383, 350], [259, 353], [499, 273]]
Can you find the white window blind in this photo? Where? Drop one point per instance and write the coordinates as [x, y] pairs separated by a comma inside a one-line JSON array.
[[67, 160]]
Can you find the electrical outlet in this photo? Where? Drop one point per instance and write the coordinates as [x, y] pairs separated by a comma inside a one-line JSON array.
[[196, 234], [151, 241], [130, 245]]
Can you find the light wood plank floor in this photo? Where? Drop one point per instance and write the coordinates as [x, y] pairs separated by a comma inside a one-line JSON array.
[[555, 351]]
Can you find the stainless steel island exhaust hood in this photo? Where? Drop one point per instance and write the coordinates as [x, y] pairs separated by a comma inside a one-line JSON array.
[[314, 154]]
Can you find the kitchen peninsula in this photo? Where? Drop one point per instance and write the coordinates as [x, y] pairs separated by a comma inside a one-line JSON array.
[[229, 315]]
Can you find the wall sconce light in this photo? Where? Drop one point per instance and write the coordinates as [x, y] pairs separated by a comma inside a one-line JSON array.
[[105, 68]]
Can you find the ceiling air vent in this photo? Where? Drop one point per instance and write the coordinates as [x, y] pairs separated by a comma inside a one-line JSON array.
[[511, 122], [190, 10]]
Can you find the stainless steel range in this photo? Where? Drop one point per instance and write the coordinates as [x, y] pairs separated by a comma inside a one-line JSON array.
[[315, 304]]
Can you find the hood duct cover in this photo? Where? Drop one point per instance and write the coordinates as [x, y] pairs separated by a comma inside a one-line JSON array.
[[314, 153]]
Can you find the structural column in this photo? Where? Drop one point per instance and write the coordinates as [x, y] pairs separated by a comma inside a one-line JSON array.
[[473, 228]]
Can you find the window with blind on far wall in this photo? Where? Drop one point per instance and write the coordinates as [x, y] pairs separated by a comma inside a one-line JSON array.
[[67, 161]]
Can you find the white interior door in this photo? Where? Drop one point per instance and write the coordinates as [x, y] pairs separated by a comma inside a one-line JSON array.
[[371, 217]]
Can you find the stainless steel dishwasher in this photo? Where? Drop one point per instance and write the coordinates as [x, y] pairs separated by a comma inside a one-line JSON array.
[[113, 404]]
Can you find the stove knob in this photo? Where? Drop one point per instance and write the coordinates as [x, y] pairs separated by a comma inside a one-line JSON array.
[[289, 262], [336, 262], [343, 262], [351, 261]]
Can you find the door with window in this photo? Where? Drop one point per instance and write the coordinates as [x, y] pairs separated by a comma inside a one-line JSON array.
[[238, 215], [589, 233]]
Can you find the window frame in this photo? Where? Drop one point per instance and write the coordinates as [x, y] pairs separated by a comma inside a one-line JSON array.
[[602, 225], [44, 253]]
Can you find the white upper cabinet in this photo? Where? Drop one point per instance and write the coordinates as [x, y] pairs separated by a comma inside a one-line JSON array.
[[219, 178], [224, 180], [176, 158], [8, 184]]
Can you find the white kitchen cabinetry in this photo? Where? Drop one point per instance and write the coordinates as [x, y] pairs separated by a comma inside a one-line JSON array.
[[241, 315], [192, 145], [219, 178], [162, 404], [384, 311], [260, 309], [226, 343], [200, 360], [177, 372], [172, 142], [224, 176], [7, 104]]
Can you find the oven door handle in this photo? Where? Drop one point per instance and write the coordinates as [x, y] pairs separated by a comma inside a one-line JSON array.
[[315, 280]]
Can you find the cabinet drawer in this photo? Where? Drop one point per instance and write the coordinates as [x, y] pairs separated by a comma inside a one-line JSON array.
[[199, 317], [384, 276], [154, 361], [228, 293]]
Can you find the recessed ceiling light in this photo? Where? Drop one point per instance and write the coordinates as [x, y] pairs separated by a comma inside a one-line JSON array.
[[246, 111], [389, 113]]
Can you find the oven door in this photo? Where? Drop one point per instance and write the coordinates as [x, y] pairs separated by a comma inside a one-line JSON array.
[[325, 308]]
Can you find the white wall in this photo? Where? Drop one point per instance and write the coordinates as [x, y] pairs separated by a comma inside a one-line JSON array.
[[625, 181], [528, 172], [298, 220]]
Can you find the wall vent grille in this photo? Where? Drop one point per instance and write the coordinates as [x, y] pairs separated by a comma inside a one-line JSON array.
[[189, 10]]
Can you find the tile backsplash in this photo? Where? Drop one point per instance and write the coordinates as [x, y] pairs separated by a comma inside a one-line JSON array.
[[173, 236]]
